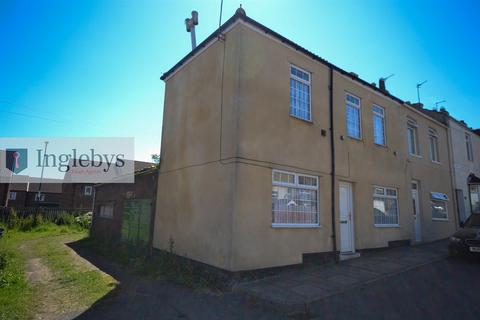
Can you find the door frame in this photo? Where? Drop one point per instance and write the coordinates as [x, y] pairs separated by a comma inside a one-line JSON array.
[[351, 230], [417, 210]]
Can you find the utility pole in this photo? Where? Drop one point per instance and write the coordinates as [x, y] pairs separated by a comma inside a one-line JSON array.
[[418, 89], [39, 193]]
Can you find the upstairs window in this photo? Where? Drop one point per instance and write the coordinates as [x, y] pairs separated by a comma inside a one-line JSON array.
[[354, 129], [88, 190], [300, 94], [378, 114], [39, 197], [433, 142], [12, 195], [412, 137], [468, 141], [294, 200]]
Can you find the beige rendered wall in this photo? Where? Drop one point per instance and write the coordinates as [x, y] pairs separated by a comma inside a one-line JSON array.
[[195, 189], [268, 138], [220, 211]]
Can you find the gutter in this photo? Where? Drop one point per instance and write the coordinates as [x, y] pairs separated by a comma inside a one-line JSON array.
[[332, 154]]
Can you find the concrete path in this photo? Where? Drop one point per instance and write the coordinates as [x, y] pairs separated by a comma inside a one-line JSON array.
[[295, 291]]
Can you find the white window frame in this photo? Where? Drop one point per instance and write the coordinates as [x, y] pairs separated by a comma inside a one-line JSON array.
[[439, 197], [89, 193], [434, 154], [359, 107], [385, 196], [412, 125], [101, 210], [468, 143], [382, 116], [12, 195], [308, 83], [39, 197], [295, 184]]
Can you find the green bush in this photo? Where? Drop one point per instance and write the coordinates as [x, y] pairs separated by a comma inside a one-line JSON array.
[[3, 260], [26, 224], [84, 220], [65, 218], [13, 220]]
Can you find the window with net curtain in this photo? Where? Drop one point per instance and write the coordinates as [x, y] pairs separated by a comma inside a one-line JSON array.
[[300, 94], [378, 125], [294, 199], [353, 116], [385, 206]]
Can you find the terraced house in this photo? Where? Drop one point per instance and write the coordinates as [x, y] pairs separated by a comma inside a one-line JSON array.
[[270, 153]]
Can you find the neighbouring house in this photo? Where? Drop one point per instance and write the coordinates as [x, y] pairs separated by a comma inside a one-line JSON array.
[[125, 210], [25, 194], [77, 196], [270, 152], [465, 155]]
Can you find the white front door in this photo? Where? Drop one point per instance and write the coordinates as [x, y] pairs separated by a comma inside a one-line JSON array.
[[347, 244], [416, 212]]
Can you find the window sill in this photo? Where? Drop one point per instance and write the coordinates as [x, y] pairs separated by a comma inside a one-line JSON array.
[[301, 119], [295, 226], [355, 138], [381, 145], [387, 225], [436, 162], [415, 155], [440, 219]]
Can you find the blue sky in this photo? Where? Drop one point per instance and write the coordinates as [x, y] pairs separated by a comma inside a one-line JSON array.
[[92, 68]]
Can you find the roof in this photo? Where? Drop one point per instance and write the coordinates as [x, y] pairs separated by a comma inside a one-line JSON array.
[[240, 15]]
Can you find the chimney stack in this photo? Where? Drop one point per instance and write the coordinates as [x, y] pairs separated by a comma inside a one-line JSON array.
[[381, 85]]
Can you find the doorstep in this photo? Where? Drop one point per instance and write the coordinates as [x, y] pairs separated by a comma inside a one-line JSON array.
[[348, 256], [294, 291]]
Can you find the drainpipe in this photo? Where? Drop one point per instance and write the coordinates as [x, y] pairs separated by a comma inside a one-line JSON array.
[[332, 154]]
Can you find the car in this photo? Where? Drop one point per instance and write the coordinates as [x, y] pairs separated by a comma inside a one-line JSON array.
[[466, 240]]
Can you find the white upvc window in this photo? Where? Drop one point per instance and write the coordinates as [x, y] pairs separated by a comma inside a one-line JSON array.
[[294, 200], [378, 117], [385, 207], [12, 195], [433, 143], [106, 211], [474, 190], [354, 126], [300, 94], [412, 137], [468, 142], [88, 190], [438, 202], [39, 197]]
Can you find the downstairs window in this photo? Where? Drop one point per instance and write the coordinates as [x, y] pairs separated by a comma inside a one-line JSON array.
[[294, 200]]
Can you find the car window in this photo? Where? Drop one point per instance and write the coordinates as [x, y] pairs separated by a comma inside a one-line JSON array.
[[473, 221]]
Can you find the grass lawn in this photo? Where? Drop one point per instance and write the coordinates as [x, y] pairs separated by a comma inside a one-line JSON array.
[[42, 276]]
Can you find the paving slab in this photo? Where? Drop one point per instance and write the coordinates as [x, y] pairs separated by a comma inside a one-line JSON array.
[[294, 291]]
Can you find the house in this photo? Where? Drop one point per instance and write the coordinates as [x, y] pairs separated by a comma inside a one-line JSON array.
[[26, 194], [125, 210], [77, 196], [270, 152], [465, 156]]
